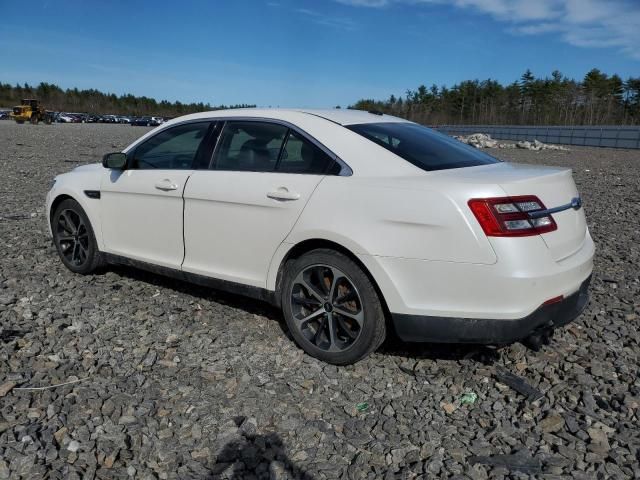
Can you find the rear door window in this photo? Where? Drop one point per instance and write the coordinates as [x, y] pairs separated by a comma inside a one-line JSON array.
[[423, 147], [299, 155]]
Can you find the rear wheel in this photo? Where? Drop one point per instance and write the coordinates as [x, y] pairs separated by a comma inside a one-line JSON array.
[[34, 119], [331, 307], [74, 238]]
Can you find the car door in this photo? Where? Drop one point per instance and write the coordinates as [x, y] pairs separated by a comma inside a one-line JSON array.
[[240, 210], [142, 205]]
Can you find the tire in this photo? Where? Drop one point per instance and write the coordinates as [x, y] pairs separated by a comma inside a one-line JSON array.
[[19, 122], [74, 238], [349, 325], [34, 120]]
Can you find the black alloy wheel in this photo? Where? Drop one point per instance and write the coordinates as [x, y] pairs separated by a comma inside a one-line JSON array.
[[74, 238], [327, 307], [331, 307]]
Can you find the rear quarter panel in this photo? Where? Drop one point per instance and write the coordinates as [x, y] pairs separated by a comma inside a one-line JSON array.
[[409, 217]]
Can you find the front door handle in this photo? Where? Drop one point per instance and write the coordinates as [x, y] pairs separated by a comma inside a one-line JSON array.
[[166, 185], [283, 194]]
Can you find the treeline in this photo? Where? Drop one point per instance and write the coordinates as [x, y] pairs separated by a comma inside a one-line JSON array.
[[599, 99], [95, 102]]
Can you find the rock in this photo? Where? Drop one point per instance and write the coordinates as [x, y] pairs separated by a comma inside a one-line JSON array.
[[551, 423], [483, 140], [109, 461], [172, 338], [7, 299], [6, 387], [73, 446], [448, 407], [599, 439], [277, 471], [127, 420], [60, 434], [4, 470], [201, 455]]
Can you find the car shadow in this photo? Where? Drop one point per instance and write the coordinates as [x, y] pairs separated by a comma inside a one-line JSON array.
[[392, 346], [255, 456], [233, 300]]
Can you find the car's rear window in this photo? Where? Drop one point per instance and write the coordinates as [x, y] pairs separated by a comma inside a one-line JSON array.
[[423, 147]]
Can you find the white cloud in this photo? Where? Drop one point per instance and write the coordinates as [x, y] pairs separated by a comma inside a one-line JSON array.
[[327, 20], [582, 23], [365, 3]]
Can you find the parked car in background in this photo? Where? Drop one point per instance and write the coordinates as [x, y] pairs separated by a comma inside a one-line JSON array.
[[66, 118], [157, 121], [123, 119], [348, 221], [144, 121]]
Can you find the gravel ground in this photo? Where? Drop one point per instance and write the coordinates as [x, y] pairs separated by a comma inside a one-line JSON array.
[[177, 381]]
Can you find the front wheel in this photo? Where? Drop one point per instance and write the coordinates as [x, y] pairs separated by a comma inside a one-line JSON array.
[[74, 238], [331, 307]]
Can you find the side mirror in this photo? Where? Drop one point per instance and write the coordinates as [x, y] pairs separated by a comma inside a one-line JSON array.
[[115, 161]]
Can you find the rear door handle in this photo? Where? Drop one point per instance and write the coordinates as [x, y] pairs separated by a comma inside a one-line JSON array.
[[283, 194], [166, 185]]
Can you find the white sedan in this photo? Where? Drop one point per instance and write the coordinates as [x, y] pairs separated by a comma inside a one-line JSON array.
[[354, 223]]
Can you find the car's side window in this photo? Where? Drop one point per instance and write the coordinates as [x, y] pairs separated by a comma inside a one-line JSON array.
[[249, 146], [301, 156], [173, 148]]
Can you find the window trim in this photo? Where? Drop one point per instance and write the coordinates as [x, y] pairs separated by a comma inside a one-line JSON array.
[[202, 150], [345, 169]]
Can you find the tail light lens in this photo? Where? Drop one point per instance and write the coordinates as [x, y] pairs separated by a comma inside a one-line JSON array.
[[509, 216]]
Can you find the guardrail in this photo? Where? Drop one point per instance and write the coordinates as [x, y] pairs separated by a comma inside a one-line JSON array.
[[605, 136]]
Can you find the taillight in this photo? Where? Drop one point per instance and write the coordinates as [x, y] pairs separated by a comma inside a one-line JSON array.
[[509, 216]]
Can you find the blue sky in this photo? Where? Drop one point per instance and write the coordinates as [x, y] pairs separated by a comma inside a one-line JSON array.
[[308, 53]]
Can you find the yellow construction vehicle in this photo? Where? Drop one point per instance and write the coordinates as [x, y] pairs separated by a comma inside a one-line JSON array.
[[30, 110]]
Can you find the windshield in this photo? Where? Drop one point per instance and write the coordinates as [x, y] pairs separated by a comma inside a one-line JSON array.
[[423, 147]]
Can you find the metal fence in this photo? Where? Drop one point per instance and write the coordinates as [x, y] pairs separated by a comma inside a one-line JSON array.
[[607, 136]]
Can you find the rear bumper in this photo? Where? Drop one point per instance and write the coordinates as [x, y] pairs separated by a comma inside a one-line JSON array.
[[419, 328]]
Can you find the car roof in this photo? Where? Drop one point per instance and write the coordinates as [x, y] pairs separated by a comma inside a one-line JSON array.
[[337, 115]]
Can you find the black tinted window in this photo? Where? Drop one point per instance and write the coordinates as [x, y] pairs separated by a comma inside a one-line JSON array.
[[301, 156], [173, 148], [250, 146], [423, 147]]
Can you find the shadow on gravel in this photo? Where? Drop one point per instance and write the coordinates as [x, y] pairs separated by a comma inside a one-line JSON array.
[[392, 346], [256, 456], [439, 351], [249, 305]]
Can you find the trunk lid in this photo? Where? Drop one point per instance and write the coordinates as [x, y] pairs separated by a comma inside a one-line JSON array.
[[554, 186]]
